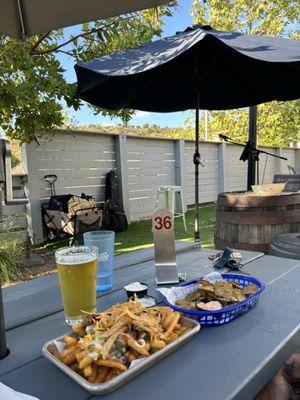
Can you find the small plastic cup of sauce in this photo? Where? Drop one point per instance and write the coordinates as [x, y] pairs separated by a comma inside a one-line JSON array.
[[137, 289]]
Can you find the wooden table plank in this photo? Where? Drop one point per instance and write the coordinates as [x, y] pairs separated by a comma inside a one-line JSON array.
[[22, 303], [218, 364], [49, 281], [194, 262], [42, 380]]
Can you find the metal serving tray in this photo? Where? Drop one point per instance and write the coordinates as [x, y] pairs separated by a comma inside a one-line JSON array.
[[103, 388]]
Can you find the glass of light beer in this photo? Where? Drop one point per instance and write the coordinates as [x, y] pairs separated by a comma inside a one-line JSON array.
[[77, 272]]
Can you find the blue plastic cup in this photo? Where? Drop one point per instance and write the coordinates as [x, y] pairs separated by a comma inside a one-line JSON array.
[[104, 241]]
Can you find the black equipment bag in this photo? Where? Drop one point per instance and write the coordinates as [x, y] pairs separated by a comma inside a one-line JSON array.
[[59, 202], [114, 216]]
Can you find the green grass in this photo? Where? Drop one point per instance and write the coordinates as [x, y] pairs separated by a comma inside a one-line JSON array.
[[10, 252], [139, 235]]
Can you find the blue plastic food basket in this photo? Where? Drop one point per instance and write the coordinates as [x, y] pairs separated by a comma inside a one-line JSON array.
[[227, 314]]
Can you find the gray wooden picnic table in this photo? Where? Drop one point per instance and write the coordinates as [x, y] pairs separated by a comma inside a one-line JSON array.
[[232, 361]]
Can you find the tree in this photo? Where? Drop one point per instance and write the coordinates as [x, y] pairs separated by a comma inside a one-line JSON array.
[[278, 122], [33, 89]]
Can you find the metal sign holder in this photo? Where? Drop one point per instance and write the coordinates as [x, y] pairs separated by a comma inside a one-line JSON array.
[[164, 247]]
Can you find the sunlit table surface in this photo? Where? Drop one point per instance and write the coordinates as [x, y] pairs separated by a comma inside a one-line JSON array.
[[232, 361]]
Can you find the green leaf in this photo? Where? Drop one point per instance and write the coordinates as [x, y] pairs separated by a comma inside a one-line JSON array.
[[34, 93]]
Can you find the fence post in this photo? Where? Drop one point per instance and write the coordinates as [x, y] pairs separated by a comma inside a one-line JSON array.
[[222, 167], [297, 160], [278, 161], [179, 150], [122, 171], [32, 191]]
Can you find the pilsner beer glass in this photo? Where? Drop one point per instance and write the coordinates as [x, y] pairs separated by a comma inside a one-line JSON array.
[[77, 271]]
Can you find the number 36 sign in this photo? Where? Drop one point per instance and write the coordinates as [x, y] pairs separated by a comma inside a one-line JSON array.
[[162, 222], [164, 247]]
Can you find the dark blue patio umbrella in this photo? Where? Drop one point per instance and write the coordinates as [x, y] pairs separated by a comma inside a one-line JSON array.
[[199, 68]]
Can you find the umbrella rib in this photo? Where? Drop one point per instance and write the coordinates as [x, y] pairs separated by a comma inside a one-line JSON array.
[[187, 73], [203, 74], [236, 68], [21, 19], [139, 91]]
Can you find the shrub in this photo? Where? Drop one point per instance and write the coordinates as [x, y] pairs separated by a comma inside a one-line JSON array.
[[10, 252]]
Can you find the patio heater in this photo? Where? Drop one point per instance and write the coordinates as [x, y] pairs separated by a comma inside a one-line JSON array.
[[6, 188]]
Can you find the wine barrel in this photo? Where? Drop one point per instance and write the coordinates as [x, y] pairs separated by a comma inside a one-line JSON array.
[[292, 182], [247, 221], [286, 245]]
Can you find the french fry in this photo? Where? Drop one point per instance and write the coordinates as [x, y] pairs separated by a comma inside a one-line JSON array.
[[88, 371], [102, 373], [94, 374], [70, 358], [111, 364], [157, 344], [170, 337], [180, 331], [130, 356], [135, 346], [116, 372], [70, 341], [70, 350], [80, 355], [110, 375], [85, 362], [148, 346], [137, 355], [128, 326], [57, 354], [75, 367], [173, 322], [79, 328]]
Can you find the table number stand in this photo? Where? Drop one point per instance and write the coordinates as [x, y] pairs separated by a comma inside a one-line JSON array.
[[164, 247]]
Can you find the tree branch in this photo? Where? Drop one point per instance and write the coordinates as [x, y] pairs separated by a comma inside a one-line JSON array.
[[39, 41], [34, 52], [67, 53]]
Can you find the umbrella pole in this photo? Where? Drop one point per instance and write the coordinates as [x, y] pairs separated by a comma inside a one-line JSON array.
[[253, 143], [3, 347], [197, 162]]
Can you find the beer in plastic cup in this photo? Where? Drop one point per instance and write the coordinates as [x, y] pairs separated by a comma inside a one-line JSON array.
[[77, 271]]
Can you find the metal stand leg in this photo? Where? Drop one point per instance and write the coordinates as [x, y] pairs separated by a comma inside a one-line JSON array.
[[167, 199], [3, 347], [183, 210], [172, 201], [157, 198]]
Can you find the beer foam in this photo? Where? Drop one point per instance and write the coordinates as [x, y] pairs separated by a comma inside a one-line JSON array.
[[75, 258]]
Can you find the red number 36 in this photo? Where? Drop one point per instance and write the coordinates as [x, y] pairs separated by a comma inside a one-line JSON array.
[[163, 223]]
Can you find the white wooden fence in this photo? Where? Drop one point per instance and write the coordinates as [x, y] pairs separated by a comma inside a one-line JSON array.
[[82, 159], [14, 222]]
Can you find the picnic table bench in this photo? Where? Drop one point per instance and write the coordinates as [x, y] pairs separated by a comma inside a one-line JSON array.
[[232, 361]]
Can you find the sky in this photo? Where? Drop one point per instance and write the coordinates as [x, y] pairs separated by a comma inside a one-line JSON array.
[[179, 21]]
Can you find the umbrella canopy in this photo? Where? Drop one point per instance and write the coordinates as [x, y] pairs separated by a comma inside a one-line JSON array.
[[23, 18], [232, 70], [199, 68]]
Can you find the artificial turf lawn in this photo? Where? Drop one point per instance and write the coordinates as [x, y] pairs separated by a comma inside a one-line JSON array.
[[139, 235]]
